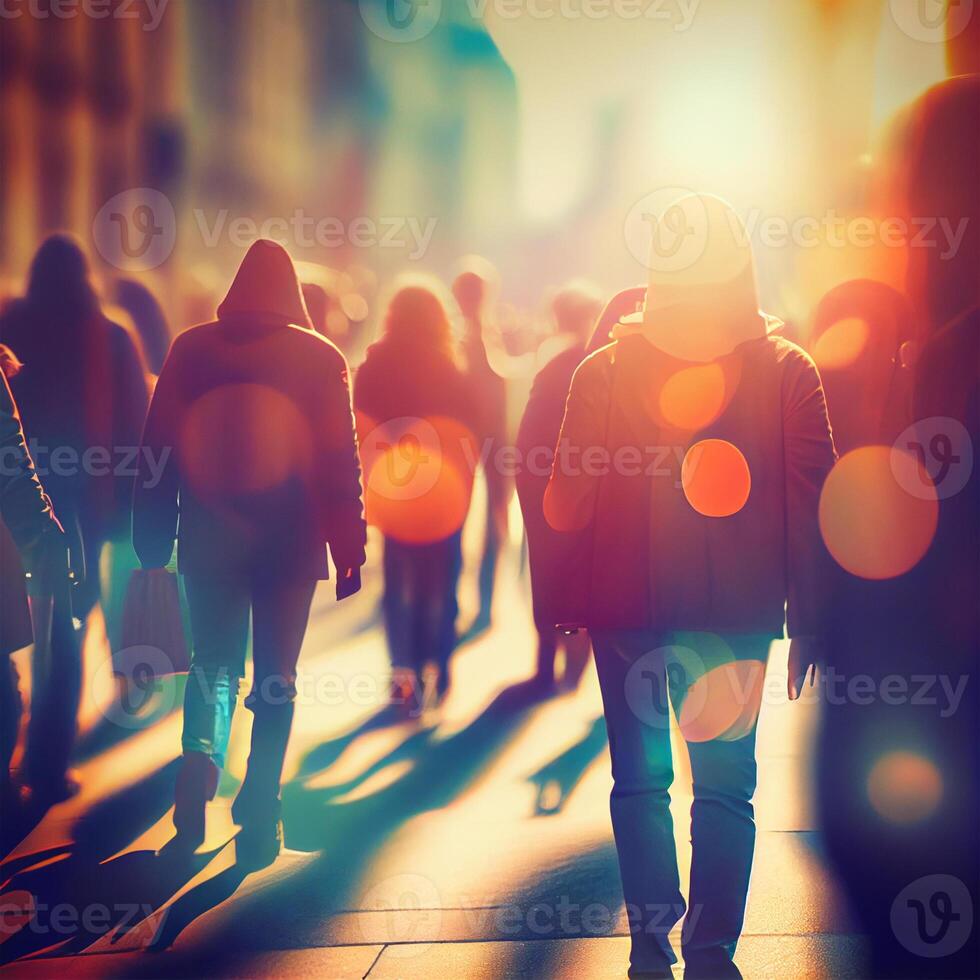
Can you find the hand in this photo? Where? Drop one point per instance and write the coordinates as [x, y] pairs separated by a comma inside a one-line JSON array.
[[805, 652], [348, 582], [46, 562]]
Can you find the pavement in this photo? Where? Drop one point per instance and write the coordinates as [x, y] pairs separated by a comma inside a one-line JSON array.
[[473, 841]]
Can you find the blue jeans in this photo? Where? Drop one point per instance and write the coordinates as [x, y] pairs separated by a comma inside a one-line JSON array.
[[640, 674]]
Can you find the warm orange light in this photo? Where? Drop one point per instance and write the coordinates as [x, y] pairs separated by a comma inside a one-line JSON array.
[[841, 344], [693, 397], [418, 477], [716, 478], [723, 703], [243, 438], [904, 788], [872, 526]]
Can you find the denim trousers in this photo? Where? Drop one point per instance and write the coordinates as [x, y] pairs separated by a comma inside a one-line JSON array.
[[220, 610], [641, 673]]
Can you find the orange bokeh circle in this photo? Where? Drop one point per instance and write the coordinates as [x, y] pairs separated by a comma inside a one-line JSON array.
[[418, 476], [870, 523], [715, 477], [239, 439], [904, 787]]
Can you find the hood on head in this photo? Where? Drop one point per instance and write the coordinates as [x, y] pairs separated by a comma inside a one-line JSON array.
[[702, 300], [266, 284]]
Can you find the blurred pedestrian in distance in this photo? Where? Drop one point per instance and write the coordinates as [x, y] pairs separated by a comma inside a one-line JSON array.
[[575, 309], [265, 475], [31, 541], [149, 319], [697, 555], [416, 412], [474, 289]]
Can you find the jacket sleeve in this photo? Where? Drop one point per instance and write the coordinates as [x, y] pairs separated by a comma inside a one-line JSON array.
[[581, 454], [339, 478], [809, 454], [24, 506], [155, 493]]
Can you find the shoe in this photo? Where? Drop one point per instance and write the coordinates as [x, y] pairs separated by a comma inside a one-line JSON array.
[[258, 845], [197, 783], [45, 793]]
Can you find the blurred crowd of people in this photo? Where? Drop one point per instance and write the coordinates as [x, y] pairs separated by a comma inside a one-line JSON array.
[[250, 447]]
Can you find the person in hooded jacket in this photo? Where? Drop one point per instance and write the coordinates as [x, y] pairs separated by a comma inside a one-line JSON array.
[[693, 448], [263, 473], [416, 415]]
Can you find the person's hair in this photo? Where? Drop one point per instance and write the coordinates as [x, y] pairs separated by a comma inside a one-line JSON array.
[[417, 319]]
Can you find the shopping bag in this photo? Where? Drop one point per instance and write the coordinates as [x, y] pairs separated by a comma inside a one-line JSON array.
[[151, 620]]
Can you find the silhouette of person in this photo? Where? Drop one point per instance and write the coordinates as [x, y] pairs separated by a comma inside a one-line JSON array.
[[264, 473], [921, 627], [693, 564], [574, 309], [148, 318], [82, 396], [471, 290], [31, 539], [415, 413]]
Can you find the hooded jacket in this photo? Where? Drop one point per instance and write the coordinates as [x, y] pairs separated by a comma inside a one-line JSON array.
[[251, 419]]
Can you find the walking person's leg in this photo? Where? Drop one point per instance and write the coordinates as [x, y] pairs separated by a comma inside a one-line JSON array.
[[722, 816], [399, 605], [219, 615], [280, 614], [637, 720], [445, 609]]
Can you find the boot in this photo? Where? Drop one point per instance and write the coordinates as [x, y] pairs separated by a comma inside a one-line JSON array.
[[197, 782], [258, 807]]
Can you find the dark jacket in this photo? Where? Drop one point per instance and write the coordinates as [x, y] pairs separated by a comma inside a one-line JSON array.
[[26, 514], [558, 597], [82, 388], [255, 413], [656, 562], [413, 395]]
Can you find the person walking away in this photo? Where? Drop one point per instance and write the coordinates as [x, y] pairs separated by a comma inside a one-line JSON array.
[[254, 413], [415, 413], [574, 309]]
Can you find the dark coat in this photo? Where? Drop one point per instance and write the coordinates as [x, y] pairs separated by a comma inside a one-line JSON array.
[[558, 596], [26, 514], [656, 562], [255, 414], [263, 469], [82, 387], [395, 385]]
